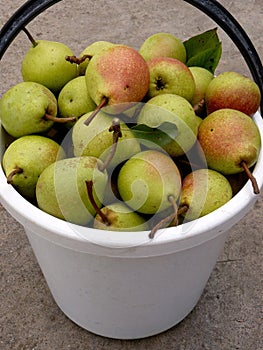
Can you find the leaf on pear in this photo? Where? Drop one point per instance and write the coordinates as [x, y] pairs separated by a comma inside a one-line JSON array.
[[204, 50], [162, 135], [207, 59]]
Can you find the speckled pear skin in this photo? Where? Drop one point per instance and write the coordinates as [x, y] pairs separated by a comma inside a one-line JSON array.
[[23, 108], [91, 50], [61, 189], [203, 191], [45, 64], [233, 90], [32, 154], [163, 44], [118, 73], [228, 137], [169, 75], [146, 181]]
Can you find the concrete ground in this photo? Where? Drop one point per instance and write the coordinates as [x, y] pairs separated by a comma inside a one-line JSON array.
[[229, 314]]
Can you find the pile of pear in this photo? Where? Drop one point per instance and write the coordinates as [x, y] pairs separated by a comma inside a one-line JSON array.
[[76, 152]]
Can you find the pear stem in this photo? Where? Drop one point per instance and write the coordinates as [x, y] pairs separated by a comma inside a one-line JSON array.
[[115, 127], [103, 103], [182, 209], [167, 220], [198, 107], [17, 170], [89, 185], [78, 60], [251, 177], [59, 120], [30, 37]]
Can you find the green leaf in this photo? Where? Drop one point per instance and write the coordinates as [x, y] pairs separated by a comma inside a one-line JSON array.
[[207, 59], [204, 50], [162, 135]]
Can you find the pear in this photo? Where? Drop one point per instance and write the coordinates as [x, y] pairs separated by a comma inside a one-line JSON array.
[[61, 189], [96, 140], [119, 217], [230, 140], [163, 44], [74, 100], [176, 110], [202, 79], [117, 75], [169, 75], [146, 181], [26, 109], [45, 64], [90, 51], [233, 90], [26, 158], [203, 191]]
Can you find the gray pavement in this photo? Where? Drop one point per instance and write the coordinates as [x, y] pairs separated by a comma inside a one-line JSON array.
[[229, 314]]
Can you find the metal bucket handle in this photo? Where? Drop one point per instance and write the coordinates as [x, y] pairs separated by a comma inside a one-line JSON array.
[[212, 8]]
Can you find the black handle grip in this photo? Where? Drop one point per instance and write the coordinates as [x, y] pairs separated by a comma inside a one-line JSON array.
[[212, 8]]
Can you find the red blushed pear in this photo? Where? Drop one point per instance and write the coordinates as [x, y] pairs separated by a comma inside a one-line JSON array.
[[117, 75], [170, 76], [203, 191], [233, 90], [231, 142]]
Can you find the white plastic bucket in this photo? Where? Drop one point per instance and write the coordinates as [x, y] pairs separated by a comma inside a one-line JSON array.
[[123, 284]]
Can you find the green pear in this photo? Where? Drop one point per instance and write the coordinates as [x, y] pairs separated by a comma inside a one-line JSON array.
[[202, 79], [90, 51], [169, 75], [119, 217], [146, 181], [74, 100], [230, 141], [26, 158], [61, 189], [163, 44], [45, 63], [233, 90], [176, 110], [96, 140], [203, 191], [118, 74], [25, 109]]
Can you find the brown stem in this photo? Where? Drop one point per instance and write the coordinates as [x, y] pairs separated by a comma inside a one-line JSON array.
[[182, 210], [17, 170], [77, 60], [251, 177], [167, 220], [59, 120], [89, 185], [30, 37], [198, 107], [103, 103], [115, 127]]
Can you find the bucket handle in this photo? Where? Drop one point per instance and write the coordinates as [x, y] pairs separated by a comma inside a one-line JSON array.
[[212, 8]]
